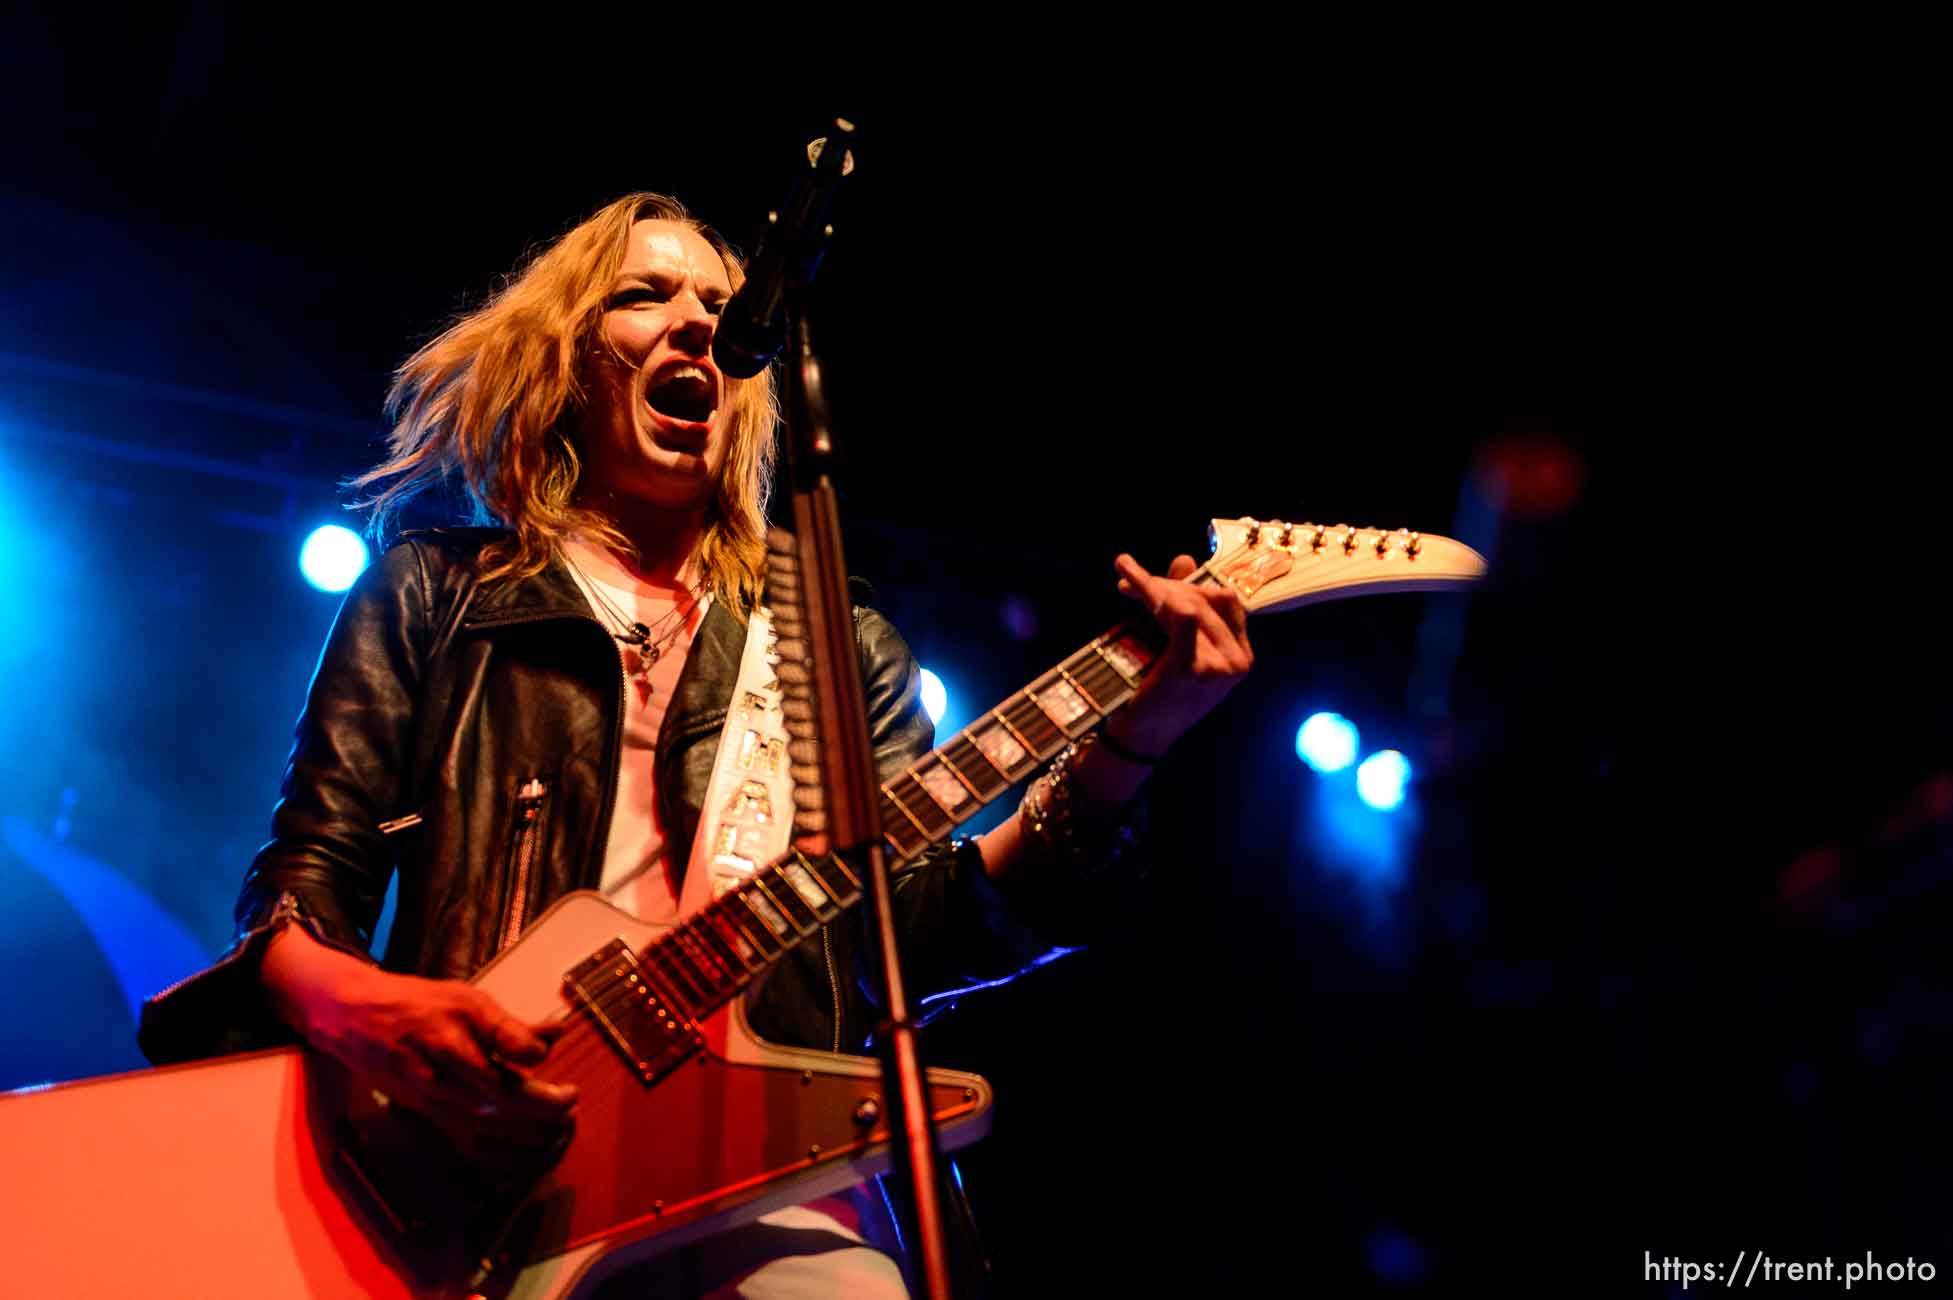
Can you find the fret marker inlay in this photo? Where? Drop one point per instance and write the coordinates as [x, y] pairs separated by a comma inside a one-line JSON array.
[[1062, 704], [1000, 747], [942, 786]]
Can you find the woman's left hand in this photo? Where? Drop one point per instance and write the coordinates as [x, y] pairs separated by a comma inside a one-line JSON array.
[[1206, 656]]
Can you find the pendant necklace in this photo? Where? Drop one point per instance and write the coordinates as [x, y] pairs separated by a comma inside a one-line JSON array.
[[649, 642]]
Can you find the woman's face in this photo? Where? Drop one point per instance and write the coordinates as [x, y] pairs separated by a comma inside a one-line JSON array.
[[655, 426]]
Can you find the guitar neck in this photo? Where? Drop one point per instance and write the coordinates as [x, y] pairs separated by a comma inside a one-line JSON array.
[[1007, 745], [711, 957], [642, 998]]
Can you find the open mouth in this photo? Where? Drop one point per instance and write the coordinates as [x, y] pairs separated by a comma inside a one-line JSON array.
[[684, 392]]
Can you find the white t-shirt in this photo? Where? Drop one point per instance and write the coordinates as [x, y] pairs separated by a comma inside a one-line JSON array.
[[636, 875]]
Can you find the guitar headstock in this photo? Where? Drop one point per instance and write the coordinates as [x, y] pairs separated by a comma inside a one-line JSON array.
[[1276, 565]]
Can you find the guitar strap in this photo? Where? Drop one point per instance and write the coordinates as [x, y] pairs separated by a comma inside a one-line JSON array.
[[747, 819]]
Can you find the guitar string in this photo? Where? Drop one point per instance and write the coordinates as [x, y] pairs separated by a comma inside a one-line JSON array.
[[618, 994], [666, 957]]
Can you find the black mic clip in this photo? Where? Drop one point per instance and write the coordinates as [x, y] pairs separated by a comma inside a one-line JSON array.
[[752, 328]]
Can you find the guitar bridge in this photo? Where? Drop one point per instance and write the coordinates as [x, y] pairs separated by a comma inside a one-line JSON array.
[[636, 1011]]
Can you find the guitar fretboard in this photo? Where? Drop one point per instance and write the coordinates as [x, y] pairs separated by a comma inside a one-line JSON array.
[[709, 958]]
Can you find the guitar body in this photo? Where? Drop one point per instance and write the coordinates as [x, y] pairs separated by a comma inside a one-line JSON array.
[[228, 1178]]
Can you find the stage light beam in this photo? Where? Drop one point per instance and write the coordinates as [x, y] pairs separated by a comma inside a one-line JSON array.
[[1381, 779], [935, 697], [332, 557], [1326, 742]]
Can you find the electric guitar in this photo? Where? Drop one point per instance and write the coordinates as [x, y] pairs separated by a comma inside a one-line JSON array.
[[273, 1174]]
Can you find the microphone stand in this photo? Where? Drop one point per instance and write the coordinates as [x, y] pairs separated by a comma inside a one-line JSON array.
[[848, 756]]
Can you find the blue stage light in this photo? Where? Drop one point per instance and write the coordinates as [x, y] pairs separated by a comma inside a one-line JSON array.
[[1326, 742], [935, 699], [1395, 1257], [1381, 779], [332, 557]]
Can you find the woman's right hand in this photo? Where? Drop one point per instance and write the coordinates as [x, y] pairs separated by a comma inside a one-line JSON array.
[[443, 1048]]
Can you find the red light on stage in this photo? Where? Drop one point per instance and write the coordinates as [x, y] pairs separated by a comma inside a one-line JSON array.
[[1533, 475], [1811, 870]]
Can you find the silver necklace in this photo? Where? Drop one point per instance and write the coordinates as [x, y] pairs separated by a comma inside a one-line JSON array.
[[649, 642]]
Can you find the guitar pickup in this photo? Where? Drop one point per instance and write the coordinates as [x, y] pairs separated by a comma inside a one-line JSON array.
[[636, 1012]]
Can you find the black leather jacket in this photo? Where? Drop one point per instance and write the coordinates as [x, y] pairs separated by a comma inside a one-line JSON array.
[[440, 699]]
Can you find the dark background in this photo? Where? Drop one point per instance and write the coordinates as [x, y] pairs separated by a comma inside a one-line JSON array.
[[1654, 961]]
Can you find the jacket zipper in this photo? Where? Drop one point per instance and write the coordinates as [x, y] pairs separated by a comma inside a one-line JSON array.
[[287, 909], [528, 831], [614, 759], [833, 983]]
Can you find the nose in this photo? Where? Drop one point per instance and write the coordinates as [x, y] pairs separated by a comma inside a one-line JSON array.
[[692, 332]]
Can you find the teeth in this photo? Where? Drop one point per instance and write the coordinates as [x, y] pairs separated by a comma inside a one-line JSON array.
[[683, 390]]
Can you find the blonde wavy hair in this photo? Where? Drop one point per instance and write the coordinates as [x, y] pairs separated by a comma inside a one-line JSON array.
[[491, 401]]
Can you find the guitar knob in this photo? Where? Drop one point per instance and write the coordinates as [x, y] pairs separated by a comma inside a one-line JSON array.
[[1315, 542], [1288, 534], [1349, 539], [1383, 545], [1254, 530], [1414, 545], [868, 1112]]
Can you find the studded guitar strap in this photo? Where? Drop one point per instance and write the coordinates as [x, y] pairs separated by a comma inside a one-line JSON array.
[[766, 780]]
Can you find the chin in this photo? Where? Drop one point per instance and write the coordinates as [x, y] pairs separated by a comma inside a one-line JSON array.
[[672, 487]]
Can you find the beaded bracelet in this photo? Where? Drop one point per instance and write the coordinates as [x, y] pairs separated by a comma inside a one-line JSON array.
[[1047, 803], [1046, 816]]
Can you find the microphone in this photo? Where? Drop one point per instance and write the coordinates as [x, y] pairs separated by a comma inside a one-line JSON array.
[[753, 326]]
